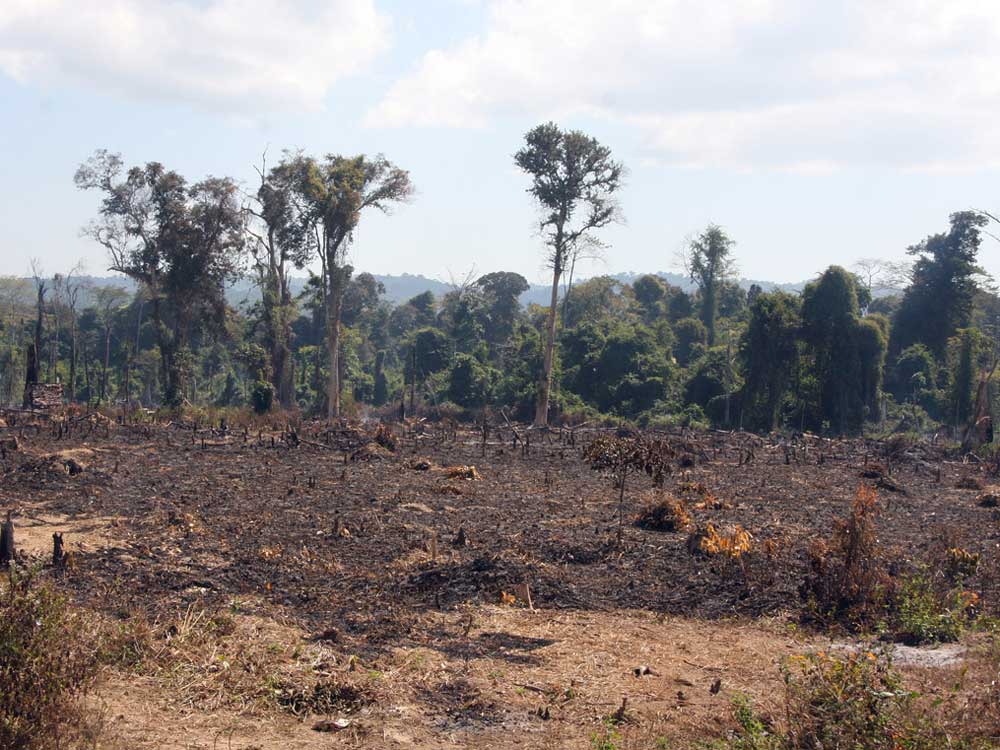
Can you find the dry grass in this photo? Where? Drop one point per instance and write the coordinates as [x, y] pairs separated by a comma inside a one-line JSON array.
[[210, 660]]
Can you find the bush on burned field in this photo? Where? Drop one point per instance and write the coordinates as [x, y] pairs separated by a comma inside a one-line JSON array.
[[850, 701], [850, 583], [47, 661], [666, 514], [848, 579]]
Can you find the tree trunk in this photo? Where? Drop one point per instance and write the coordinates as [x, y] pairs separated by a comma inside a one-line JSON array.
[[334, 304], [86, 374], [31, 373], [709, 293], [542, 412], [104, 367], [72, 359]]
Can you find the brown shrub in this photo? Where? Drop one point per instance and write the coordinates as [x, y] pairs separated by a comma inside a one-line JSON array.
[[848, 580], [667, 514], [733, 544]]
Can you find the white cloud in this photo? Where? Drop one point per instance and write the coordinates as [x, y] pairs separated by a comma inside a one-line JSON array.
[[808, 85], [229, 55]]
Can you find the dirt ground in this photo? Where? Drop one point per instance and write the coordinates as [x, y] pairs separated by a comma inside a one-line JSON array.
[[500, 607]]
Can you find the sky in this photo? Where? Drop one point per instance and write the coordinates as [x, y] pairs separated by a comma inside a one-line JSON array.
[[814, 131]]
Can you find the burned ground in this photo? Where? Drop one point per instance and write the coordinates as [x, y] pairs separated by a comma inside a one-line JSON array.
[[372, 552]]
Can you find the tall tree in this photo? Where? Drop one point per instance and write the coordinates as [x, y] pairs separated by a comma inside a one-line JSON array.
[[337, 190], [709, 264], [279, 242], [574, 180], [32, 369], [939, 299], [181, 242]]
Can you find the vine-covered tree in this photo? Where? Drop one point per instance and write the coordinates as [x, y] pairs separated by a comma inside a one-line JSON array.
[[769, 353], [940, 297], [846, 352], [574, 180]]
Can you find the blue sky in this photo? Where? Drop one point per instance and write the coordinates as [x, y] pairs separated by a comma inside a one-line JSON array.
[[814, 132]]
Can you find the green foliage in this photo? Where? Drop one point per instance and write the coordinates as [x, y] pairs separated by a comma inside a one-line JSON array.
[[914, 376], [690, 337], [48, 660], [606, 738], [593, 301], [710, 264], [616, 368], [430, 349], [182, 243], [964, 350], [939, 300], [650, 292], [470, 382], [262, 396], [500, 292], [851, 701], [752, 732], [847, 352]]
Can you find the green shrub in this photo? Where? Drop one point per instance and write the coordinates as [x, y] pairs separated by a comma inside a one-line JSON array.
[[849, 702], [262, 396], [48, 660], [924, 615]]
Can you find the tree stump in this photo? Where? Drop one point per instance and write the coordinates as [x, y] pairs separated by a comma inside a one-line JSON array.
[[58, 551], [7, 548]]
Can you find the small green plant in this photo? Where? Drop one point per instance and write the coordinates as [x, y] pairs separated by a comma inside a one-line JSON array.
[[606, 738], [753, 733], [926, 616]]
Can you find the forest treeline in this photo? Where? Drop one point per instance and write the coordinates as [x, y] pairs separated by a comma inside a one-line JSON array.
[[867, 343]]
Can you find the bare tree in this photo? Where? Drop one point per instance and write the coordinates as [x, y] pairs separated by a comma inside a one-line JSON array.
[[587, 248], [878, 274]]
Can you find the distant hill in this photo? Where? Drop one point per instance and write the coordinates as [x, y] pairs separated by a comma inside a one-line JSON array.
[[405, 286]]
